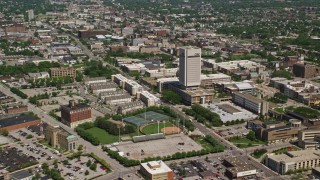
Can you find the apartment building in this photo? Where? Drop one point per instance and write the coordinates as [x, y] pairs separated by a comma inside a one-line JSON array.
[[129, 85], [63, 72], [74, 114], [118, 99], [59, 138], [148, 98], [94, 80], [104, 87], [130, 107]]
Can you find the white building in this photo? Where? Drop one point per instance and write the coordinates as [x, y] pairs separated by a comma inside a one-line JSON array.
[[189, 67], [293, 160], [30, 14], [148, 98]]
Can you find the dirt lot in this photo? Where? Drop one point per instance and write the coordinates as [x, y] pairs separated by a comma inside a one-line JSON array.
[[161, 147]]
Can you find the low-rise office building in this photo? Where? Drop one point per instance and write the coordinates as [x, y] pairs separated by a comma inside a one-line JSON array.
[[293, 160], [16, 109], [18, 122], [156, 170], [251, 103], [59, 138], [192, 96], [238, 168], [284, 133], [307, 138]]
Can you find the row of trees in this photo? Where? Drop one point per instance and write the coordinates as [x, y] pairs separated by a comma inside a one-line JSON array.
[[279, 98], [112, 128], [51, 82], [51, 173], [96, 69], [34, 99], [171, 97], [204, 115], [27, 68], [18, 93], [81, 130]]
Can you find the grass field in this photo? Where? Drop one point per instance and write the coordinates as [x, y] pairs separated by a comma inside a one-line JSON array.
[[243, 142], [153, 128], [103, 136]]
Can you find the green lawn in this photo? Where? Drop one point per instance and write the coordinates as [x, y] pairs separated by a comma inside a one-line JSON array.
[[153, 128], [103, 136], [243, 142]]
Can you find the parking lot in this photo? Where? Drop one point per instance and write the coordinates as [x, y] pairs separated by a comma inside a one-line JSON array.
[[231, 131], [192, 169], [228, 111], [76, 168], [31, 146], [161, 147]]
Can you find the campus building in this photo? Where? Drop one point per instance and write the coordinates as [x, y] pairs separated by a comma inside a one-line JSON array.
[[18, 122], [238, 168], [57, 137], [251, 103], [129, 85], [63, 72], [304, 70], [156, 170], [74, 114], [309, 138], [148, 98], [16, 109], [293, 160], [189, 67]]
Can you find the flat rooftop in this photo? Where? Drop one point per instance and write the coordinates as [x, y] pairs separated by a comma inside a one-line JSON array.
[[18, 119], [156, 167], [229, 109], [296, 156], [239, 165]]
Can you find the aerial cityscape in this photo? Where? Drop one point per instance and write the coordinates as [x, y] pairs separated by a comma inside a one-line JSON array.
[[159, 89]]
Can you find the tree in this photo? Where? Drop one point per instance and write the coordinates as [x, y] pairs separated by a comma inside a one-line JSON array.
[[80, 147], [4, 132], [171, 97], [79, 76], [93, 166], [251, 136], [55, 163], [88, 164], [86, 173]]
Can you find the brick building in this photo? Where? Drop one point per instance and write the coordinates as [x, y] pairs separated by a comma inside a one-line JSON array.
[[63, 72], [91, 33], [16, 109], [305, 70], [74, 114], [18, 122]]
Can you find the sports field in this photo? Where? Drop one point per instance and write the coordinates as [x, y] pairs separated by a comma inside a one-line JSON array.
[[103, 136], [153, 128]]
